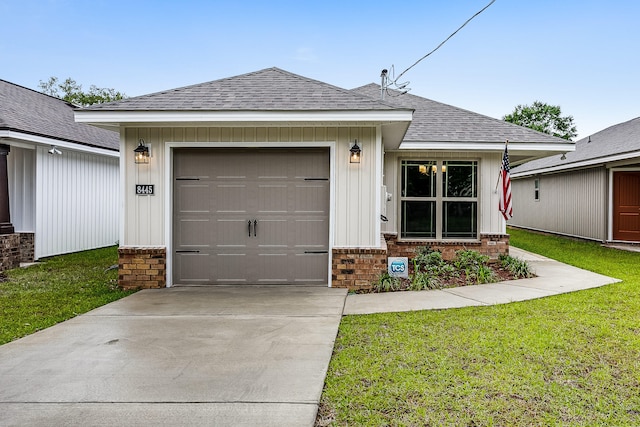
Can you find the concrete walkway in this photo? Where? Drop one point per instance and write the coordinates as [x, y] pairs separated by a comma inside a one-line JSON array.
[[223, 356], [553, 278]]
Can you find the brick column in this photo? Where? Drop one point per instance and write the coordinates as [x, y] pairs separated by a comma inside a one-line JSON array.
[[142, 267]]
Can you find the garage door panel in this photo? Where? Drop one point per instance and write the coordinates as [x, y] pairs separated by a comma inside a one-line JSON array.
[[273, 268], [193, 198], [273, 233], [230, 267], [310, 267], [193, 233], [311, 198], [230, 233], [310, 233], [229, 198], [192, 268], [273, 198]]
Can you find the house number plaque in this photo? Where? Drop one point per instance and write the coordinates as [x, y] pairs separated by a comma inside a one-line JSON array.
[[144, 190]]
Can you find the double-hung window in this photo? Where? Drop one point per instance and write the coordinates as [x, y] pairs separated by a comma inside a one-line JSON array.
[[439, 199]]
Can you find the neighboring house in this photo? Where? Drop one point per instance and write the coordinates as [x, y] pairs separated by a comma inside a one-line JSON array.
[[63, 179], [253, 180], [592, 193]]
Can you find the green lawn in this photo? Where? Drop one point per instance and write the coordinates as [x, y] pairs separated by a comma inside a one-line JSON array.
[[57, 289], [572, 359]]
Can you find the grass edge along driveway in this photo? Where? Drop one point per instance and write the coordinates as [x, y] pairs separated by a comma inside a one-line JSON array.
[[572, 359], [56, 289]]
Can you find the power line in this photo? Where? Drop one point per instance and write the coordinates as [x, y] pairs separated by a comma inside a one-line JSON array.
[[394, 81]]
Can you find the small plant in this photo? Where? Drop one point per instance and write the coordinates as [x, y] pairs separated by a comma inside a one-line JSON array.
[[516, 266], [421, 281], [485, 274], [386, 283]]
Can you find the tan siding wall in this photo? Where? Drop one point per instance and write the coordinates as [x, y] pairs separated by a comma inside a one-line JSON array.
[[355, 191], [572, 203], [491, 221]]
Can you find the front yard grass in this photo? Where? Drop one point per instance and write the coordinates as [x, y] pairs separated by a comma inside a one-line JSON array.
[[570, 360], [55, 290]]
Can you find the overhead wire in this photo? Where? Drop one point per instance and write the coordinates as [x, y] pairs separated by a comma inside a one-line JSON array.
[[394, 81]]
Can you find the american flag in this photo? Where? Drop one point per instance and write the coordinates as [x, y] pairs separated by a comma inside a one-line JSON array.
[[505, 206]]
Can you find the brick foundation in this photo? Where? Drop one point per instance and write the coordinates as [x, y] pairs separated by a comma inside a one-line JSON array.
[[492, 245], [357, 269], [27, 247], [142, 268], [9, 251]]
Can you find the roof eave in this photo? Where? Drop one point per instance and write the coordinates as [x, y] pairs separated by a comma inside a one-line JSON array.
[[181, 117], [578, 165]]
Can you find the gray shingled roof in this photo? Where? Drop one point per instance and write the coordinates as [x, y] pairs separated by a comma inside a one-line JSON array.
[[617, 139], [27, 111], [437, 122], [271, 89]]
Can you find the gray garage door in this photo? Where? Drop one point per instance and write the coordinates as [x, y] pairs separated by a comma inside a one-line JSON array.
[[254, 216]]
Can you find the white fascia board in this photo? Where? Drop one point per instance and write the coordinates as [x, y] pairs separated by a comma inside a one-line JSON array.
[[21, 138], [487, 146], [578, 165], [355, 116]]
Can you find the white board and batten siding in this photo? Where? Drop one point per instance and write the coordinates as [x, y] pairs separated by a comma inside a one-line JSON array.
[[570, 203], [355, 195], [77, 202], [490, 219]]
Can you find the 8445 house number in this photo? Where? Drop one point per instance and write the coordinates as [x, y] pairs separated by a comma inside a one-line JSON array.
[[144, 190]]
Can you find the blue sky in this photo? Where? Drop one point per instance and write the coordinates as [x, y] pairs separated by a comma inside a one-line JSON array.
[[581, 55]]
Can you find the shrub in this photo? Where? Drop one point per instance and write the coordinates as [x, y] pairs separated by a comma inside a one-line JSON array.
[[516, 266]]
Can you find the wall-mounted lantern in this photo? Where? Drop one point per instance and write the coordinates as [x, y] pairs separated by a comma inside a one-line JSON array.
[[142, 153], [355, 153]]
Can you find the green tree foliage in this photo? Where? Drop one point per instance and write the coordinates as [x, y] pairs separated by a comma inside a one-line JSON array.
[[543, 118], [71, 91]]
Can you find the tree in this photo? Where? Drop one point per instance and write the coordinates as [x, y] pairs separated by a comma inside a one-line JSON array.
[[71, 91], [543, 118]]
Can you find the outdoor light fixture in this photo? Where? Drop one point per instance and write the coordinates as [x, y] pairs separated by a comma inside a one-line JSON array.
[[141, 153], [356, 152], [563, 157], [54, 150]]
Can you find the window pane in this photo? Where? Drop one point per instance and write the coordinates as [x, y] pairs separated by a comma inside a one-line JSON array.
[[418, 220], [418, 179], [460, 179], [459, 219]]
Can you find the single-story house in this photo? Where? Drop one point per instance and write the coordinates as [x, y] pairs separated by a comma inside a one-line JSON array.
[[592, 193], [271, 177], [61, 177]]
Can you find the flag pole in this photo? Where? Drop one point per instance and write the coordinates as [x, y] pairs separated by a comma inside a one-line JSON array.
[[506, 144]]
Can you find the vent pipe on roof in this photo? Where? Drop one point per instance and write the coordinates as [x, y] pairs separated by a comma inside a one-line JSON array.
[[383, 83]]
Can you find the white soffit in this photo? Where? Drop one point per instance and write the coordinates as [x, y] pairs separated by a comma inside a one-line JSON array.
[[25, 140]]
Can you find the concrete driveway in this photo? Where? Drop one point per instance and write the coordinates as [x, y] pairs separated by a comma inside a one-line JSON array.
[[237, 356]]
